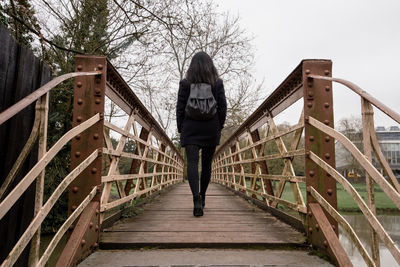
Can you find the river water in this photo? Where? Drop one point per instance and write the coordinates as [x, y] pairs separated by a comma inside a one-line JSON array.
[[391, 223]]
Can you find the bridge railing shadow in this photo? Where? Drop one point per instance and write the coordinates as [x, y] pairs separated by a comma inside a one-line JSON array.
[[246, 162]]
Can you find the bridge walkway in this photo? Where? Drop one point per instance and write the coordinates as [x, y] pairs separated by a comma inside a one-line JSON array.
[[166, 233], [228, 221]]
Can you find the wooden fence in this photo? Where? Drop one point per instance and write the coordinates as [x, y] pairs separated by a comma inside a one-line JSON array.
[[21, 73]]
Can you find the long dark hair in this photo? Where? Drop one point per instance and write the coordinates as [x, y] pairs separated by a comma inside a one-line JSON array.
[[202, 69]]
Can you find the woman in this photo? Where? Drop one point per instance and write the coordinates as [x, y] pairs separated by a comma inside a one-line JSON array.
[[201, 135]]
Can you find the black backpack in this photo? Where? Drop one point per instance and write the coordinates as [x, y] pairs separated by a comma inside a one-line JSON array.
[[201, 104]]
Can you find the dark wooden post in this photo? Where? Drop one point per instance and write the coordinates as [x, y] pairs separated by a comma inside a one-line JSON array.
[[89, 92]]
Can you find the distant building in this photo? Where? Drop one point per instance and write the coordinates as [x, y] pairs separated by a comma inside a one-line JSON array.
[[389, 141]]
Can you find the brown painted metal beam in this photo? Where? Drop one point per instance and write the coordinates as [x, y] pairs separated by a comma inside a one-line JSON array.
[[318, 104], [84, 239], [326, 238], [89, 96]]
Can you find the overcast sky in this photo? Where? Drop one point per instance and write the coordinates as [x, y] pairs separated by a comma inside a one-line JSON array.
[[361, 37]]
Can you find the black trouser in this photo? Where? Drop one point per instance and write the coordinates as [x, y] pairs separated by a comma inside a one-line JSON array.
[[192, 154]]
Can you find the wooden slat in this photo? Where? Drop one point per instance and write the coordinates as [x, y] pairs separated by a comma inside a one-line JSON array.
[[228, 220]]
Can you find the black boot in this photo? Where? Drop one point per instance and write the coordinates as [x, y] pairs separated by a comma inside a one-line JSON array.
[[203, 199], [197, 208]]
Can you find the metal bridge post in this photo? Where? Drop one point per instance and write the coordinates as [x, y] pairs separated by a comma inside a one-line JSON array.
[[322, 229], [89, 95]]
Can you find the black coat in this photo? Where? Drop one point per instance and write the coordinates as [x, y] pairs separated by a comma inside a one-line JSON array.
[[201, 133]]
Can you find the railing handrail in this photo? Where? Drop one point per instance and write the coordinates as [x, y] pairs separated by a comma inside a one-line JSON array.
[[363, 161], [364, 94], [39, 218], [15, 194], [289, 86], [124, 90], [26, 101], [369, 215]]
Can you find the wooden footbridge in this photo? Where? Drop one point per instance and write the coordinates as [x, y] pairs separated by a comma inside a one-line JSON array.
[[246, 206]]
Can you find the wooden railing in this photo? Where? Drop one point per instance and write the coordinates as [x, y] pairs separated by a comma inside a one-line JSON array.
[[241, 163], [87, 186]]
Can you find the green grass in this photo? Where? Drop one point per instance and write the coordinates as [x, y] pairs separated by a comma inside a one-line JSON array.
[[345, 201]]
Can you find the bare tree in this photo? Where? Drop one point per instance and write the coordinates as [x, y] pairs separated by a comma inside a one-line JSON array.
[[151, 44], [351, 127], [184, 28]]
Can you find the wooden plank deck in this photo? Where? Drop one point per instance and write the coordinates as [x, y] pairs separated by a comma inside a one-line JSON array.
[[229, 221]]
